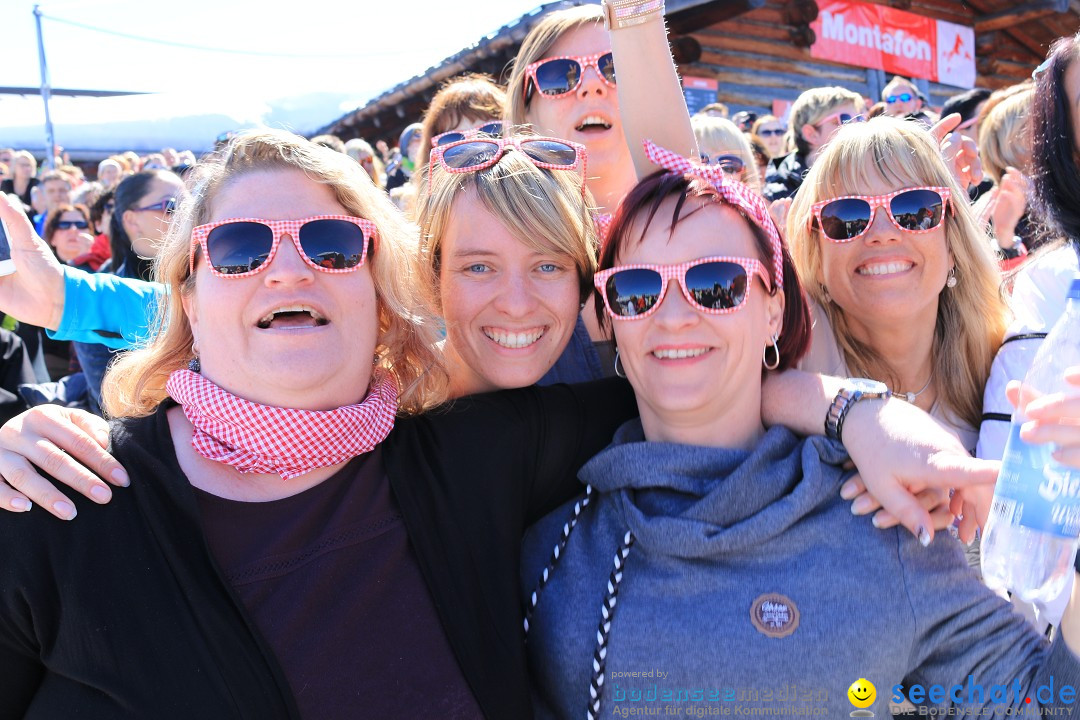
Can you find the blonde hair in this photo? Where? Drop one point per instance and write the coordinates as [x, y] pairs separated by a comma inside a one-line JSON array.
[[1005, 135], [971, 317], [544, 209], [26, 155], [536, 45], [813, 106], [896, 82], [719, 136], [407, 330], [357, 148]]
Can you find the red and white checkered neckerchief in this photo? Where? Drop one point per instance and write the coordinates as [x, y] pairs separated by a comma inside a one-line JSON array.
[[256, 438], [732, 191]]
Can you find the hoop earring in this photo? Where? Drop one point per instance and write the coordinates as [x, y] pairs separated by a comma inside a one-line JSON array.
[[618, 373], [952, 280], [776, 355], [825, 293]]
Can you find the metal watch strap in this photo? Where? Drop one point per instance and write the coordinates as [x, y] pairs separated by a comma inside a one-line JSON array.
[[841, 404], [845, 399]]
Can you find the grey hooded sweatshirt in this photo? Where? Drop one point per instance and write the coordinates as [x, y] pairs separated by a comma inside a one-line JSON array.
[[748, 588]]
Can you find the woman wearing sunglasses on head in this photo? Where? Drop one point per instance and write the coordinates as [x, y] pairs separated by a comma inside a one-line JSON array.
[[506, 225], [466, 106], [701, 531]]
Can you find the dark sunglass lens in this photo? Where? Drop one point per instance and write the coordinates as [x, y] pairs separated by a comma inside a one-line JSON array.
[[448, 138], [239, 247], [333, 244], [917, 209], [169, 205], [633, 292], [606, 64], [68, 224], [845, 219], [550, 152], [491, 129], [717, 285], [470, 154], [557, 77], [729, 163]]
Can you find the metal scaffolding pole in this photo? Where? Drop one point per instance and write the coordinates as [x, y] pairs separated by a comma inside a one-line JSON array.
[[46, 92]]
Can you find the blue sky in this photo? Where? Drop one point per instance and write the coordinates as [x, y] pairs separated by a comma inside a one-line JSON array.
[[354, 48]]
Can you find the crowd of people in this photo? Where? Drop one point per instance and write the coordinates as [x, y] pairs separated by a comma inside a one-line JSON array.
[[566, 385]]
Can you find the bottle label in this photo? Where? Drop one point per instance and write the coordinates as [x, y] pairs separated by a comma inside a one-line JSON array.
[[1035, 492]]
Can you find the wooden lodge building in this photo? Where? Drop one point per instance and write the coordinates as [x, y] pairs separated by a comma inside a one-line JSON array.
[[759, 53]]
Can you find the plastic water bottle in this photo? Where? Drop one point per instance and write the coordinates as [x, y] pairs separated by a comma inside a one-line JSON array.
[[1029, 542]]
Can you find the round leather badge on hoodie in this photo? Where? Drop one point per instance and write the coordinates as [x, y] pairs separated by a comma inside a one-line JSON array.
[[774, 615]]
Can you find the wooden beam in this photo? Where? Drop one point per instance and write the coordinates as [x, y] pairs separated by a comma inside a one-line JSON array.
[[1038, 50], [1021, 13], [686, 21]]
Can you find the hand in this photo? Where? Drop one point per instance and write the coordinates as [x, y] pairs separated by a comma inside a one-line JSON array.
[[1008, 205], [34, 293], [41, 436], [935, 500], [1053, 418], [961, 153], [901, 451]]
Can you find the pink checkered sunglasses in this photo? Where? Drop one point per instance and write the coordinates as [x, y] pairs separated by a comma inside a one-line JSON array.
[[914, 210], [467, 156], [491, 129], [240, 247], [556, 77], [712, 285]]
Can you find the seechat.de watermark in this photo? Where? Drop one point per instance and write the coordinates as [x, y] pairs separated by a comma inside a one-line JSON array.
[[973, 693]]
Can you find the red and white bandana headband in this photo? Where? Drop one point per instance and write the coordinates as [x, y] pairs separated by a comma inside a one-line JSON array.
[[256, 438], [732, 191], [603, 226]]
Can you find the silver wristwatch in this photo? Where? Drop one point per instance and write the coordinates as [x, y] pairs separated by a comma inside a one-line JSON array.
[[852, 391]]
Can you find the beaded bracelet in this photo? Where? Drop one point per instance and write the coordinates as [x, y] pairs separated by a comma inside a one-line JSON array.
[[619, 14]]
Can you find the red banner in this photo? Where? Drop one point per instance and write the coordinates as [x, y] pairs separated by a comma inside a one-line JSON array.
[[898, 42]]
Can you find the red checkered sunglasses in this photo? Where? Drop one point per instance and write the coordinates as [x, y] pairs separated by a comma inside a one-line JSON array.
[[914, 210], [712, 285], [240, 247]]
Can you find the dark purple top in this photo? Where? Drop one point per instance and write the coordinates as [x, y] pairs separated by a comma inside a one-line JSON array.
[[365, 638]]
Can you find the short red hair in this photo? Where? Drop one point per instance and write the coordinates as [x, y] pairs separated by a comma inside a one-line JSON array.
[[646, 198]]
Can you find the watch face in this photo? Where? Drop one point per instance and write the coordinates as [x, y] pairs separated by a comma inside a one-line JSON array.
[[868, 387]]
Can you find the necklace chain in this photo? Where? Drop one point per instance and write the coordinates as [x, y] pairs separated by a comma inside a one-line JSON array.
[[911, 396]]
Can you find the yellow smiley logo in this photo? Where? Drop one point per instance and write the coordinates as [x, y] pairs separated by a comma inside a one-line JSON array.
[[862, 693]]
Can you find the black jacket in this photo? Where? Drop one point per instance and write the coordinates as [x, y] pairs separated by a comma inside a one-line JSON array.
[[785, 176], [124, 612]]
